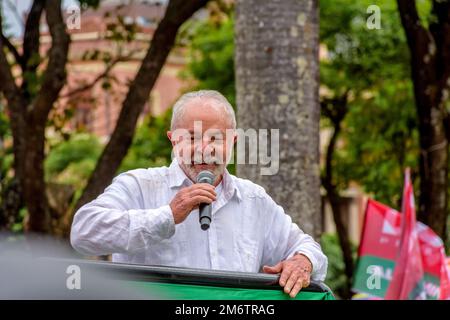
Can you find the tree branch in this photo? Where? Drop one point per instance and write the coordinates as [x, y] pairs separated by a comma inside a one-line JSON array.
[[12, 49], [99, 77], [31, 38], [7, 83], [415, 32], [15, 106], [440, 29], [55, 74]]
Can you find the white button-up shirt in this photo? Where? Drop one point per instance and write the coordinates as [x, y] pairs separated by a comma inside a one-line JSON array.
[[132, 220]]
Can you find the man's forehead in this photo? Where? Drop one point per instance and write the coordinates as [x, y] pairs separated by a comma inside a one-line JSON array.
[[209, 131]]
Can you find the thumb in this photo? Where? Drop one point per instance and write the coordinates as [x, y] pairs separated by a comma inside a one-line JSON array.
[[275, 269]]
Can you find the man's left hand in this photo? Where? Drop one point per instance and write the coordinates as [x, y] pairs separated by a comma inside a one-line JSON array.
[[295, 273]]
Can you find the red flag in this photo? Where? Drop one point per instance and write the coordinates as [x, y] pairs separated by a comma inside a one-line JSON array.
[[444, 293], [407, 280]]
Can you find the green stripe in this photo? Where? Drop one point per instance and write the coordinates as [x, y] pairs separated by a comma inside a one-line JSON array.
[[171, 291], [432, 284], [363, 279], [362, 276]]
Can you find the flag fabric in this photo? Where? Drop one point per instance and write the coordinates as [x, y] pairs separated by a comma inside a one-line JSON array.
[[444, 293], [408, 278], [423, 272]]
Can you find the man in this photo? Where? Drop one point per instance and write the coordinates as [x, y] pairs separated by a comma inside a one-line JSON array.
[[150, 216]]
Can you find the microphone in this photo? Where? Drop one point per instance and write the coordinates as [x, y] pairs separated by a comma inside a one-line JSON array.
[[205, 209]]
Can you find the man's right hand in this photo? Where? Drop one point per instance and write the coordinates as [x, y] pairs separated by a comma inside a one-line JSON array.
[[189, 198]]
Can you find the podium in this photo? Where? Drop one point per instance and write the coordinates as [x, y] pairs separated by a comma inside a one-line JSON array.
[[175, 283]]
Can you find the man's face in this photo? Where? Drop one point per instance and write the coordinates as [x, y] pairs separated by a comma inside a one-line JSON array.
[[203, 138]]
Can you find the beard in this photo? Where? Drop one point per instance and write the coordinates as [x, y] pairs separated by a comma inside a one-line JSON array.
[[192, 170]]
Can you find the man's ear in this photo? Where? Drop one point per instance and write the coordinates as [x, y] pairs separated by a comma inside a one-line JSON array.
[[169, 135]]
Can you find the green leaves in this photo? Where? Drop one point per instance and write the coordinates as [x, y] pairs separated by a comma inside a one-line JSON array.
[[211, 64], [151, 147], [379, 135], [78, 149], [336, 279]]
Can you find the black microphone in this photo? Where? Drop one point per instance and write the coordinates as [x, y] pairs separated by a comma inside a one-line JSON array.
[[205, 209]]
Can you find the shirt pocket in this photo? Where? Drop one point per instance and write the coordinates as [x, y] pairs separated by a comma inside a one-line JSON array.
[[247, 250]]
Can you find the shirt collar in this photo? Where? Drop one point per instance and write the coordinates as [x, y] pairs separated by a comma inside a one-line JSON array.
[[177, 178]]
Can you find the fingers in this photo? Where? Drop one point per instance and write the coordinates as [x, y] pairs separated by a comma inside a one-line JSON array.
[[299, 284], [201, 199], [202, 186], [295, 283], [189, 198], [292, 280], [285, 276], [203, 193], [275, 269]]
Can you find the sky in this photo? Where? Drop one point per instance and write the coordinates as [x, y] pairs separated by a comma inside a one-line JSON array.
[[11, 19], [14, 24]]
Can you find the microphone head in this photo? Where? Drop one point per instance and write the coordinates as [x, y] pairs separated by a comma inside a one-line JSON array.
[[205, 176]]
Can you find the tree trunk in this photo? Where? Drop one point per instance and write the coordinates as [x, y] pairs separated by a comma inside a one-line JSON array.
[[11, 202], [29, 111], [335, 110], [277, 88], [430, 56]]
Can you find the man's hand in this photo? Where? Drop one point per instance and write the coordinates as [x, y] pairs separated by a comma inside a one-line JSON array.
[[295, 273], [189, 198]]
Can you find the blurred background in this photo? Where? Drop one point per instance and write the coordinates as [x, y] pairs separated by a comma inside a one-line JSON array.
[[81, 105]]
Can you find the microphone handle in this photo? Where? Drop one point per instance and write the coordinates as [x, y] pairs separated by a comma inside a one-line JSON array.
[[205, 218]]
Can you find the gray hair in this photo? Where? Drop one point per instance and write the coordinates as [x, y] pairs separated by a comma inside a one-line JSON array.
[[179, 106]]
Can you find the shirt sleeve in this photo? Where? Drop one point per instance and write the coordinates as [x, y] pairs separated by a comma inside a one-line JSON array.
[[284, 239], [114, 222]]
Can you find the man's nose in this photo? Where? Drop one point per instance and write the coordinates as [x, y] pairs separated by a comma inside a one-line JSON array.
[[201, 145]]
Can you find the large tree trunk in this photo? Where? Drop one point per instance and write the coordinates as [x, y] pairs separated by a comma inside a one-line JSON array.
[[277, 88], [430, 64]]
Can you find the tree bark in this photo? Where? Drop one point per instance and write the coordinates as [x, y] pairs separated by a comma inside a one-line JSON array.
[[430, 56], [336, 110], [29, 113], [277, 83], [177, 12]]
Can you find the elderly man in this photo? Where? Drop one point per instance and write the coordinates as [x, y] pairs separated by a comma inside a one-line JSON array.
[[150, 216]]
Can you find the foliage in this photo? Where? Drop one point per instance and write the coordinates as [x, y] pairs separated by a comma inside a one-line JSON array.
[[379, 137], [6, 152], [335, 275], [72, 161], [211, 63], [151, 147]]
